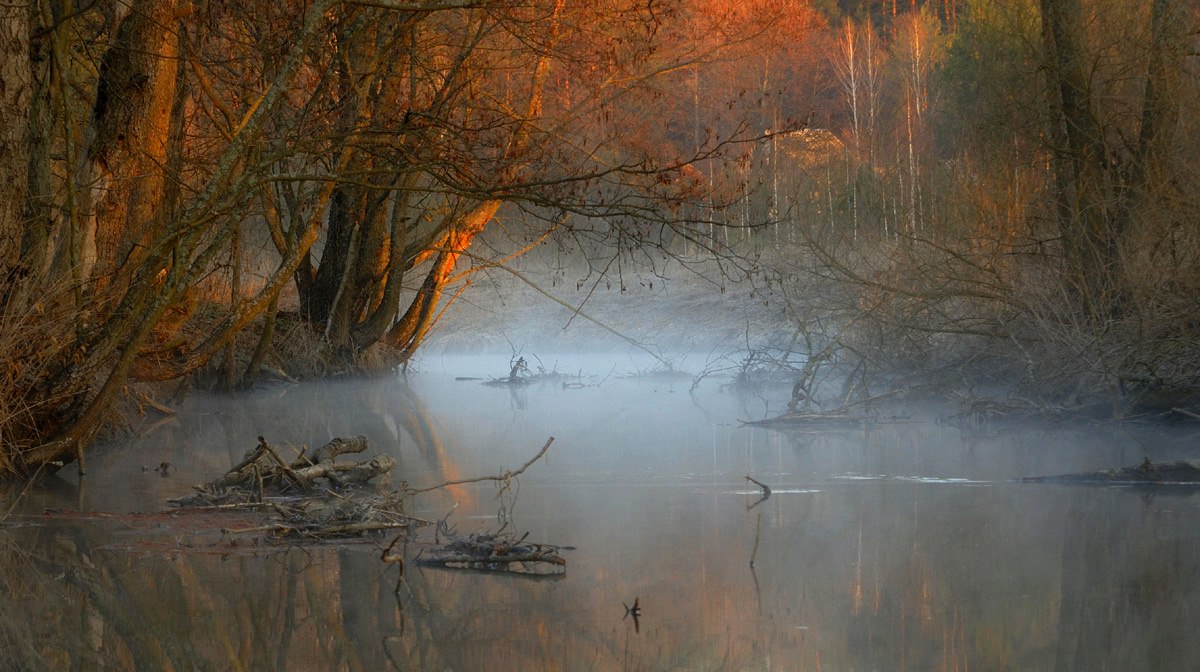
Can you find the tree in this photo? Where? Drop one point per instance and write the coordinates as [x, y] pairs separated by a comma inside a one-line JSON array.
[[364, 141], [1057, 226], [1107, 161], [917, 50], [15, 107]]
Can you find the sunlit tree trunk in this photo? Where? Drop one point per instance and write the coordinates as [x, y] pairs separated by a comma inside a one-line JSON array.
[[870, 56], [872, 70], [847, 65], [166, 266], [1160, 103], [916, 39], [131, 130], [409, 332]]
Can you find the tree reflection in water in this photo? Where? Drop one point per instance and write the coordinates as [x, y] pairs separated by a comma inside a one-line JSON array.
[[856, 567]]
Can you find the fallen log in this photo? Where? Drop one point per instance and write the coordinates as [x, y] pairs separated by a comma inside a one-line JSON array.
[[452, 560], [339, 446], [496, 553], [1147, 473], [345, 473], [805, 418], [314, 531]]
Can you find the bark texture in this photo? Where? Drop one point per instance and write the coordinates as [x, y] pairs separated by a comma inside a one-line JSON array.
[[132, 127], [15, 96]]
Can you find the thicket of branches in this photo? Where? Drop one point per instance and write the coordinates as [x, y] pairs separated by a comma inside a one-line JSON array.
[[176, 174], [1009, 196], [935, 184]]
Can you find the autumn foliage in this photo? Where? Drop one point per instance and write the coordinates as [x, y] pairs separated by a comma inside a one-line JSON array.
[[181, 178]]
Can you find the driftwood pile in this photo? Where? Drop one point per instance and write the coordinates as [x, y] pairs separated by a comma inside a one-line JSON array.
[[520, 375], [311, 497], [497, 553], [317, 518], [262, 472], [318, 497]]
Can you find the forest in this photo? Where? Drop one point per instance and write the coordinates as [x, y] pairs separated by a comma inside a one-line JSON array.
[[966, 192]]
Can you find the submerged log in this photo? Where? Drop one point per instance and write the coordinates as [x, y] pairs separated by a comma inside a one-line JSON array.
[[496, 553], [805, 418], [262, 471], [1147, 473]]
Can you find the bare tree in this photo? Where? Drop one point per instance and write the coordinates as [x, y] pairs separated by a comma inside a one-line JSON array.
[[362, 142]]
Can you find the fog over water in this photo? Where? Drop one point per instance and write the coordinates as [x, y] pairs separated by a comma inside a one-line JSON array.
[[901, 544]]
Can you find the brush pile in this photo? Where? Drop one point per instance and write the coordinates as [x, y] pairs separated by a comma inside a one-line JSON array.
[[497, 553], [317, 497], [263, 473], [311, 497]]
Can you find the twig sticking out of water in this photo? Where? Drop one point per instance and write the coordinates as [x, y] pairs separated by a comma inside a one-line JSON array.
[[766, 491], [506, 476]]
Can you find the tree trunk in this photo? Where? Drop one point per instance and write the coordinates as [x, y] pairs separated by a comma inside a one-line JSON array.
[[153, 284], [131, 125], [39, 204], [15, 97], [1160, 104], [381, 316], [408, 334], [317, 297], [361, 276], [1087, 198]]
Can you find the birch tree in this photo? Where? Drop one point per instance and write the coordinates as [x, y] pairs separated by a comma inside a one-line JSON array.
[[918, 49]]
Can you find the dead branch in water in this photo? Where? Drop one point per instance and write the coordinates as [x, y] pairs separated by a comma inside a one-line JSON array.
[[757, 530], [766, 492], [298, 504], [1186, 413], [804, 418], [765, 488], [506, 476], [262, 471], [496, 552]]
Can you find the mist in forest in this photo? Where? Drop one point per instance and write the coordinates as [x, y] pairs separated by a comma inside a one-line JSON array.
[[949, 192], [855, 334]]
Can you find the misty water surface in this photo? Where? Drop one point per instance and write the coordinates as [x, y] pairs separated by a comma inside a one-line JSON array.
[[902, 546]]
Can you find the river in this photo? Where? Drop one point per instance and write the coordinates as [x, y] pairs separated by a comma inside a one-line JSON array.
[[900, 545]]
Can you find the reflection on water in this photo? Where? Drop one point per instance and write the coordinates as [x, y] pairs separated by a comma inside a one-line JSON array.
[[901, 547]]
